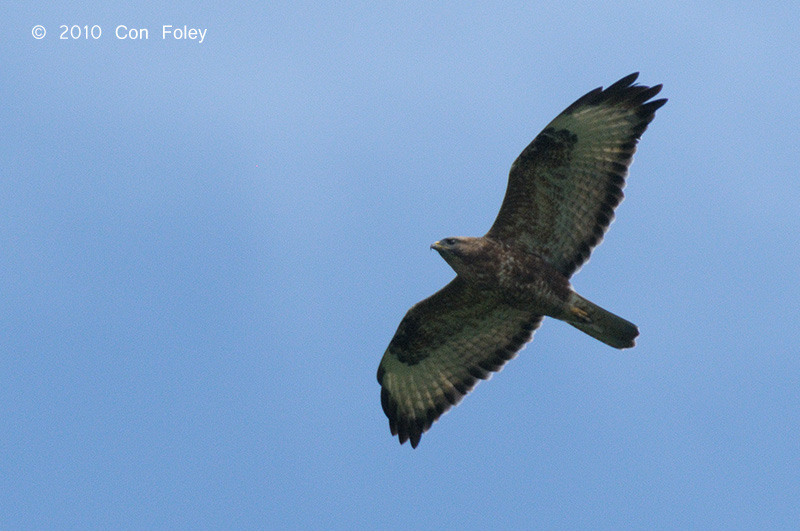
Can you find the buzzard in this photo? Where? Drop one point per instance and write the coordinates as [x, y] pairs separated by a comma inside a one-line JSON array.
[[560, 200]]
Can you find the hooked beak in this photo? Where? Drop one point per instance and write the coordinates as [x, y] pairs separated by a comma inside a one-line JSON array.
[[436, 245]]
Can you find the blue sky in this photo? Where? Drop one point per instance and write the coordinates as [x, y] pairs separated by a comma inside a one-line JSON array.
[[207, 248]]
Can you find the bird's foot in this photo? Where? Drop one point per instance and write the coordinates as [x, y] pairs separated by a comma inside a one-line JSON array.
[[580, 314]]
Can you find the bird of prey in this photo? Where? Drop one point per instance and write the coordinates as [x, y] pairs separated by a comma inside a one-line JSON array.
[[560, 200]]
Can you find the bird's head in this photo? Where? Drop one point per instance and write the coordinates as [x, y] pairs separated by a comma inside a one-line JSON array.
[[458, 251]]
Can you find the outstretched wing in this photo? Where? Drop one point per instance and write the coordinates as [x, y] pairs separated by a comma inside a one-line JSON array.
[[443, 345], [563, 188]]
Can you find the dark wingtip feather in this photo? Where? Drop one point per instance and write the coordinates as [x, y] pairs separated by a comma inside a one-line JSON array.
[[647, 94], [625, 81], [653, 106], [621, 91]]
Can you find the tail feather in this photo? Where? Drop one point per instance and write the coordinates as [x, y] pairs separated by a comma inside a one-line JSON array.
[[601, 324]]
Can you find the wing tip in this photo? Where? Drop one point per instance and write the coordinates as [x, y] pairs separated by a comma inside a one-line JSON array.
[[623, 91], [410, 428]]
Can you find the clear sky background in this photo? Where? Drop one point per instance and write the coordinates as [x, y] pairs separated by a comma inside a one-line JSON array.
[[206, 249]]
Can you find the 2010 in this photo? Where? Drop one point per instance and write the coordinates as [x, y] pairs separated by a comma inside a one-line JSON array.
[[77, 32]]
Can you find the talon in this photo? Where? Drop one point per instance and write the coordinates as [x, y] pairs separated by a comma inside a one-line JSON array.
[[580, 314]]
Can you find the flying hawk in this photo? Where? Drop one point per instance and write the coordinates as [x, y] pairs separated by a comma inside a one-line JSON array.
[[560, 200]]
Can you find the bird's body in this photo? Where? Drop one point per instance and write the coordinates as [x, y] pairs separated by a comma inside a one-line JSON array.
[[560, 200], [522, 280]]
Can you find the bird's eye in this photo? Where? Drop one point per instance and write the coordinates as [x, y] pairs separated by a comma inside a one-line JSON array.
[[450, 241]]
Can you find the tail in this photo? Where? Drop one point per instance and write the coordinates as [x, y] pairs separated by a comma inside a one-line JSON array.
[[590, 318]]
